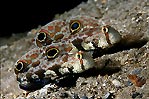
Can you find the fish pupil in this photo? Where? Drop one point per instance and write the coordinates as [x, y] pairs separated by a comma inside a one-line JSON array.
[[19, 66], [74, 26], [79, 56], [52, 52], [41, 36]]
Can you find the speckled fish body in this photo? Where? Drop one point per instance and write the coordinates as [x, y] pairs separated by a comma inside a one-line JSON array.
[[59, 30], [39, 67], [78, 28], [63, 47], [51, 32], [104, 37], [24, 70]]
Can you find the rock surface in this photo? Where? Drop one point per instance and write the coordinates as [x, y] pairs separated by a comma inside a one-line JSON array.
[[126, 72]]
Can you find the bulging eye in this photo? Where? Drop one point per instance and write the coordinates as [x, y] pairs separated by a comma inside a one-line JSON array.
[[19, 66], [105, 29], [75, 26], [41, 37], [52, 53], [79, 55]]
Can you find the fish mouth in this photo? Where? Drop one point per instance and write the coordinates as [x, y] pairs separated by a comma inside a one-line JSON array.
[[32, 86]]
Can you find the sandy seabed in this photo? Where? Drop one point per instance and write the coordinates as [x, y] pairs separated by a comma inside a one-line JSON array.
[[130, 18]]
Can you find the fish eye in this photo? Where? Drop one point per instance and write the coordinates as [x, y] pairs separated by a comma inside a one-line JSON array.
[[104, 29], [78, 55], [41, 36], [75, 26], [52, 53], [19, 66]]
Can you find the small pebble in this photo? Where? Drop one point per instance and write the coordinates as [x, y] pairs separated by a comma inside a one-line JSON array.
[[136, 71], [109, 96], [93, 97], [103, 84], [116, 83], [75, 96], [64, 95], [84, 97], [129, 83], [136, 80], [137, 95]]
